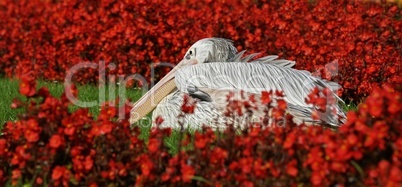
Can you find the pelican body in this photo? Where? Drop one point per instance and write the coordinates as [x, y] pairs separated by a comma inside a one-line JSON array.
[[212, 68]]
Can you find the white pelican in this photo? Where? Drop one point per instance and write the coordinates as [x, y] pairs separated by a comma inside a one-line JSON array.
[[211, 68]]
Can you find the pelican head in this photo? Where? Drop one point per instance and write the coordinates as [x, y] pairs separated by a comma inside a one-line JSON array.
[[203, 51], [211, 50]]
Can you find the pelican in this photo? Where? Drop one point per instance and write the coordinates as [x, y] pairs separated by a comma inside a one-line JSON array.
[[212, 68]]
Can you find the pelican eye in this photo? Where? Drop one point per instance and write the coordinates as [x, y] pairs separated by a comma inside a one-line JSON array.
[[192, 52]]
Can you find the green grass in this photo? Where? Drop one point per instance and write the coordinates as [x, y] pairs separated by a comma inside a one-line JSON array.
[[9, 91], [349, 106], [86, 93]]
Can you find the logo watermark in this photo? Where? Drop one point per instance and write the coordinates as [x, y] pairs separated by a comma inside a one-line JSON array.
[[217, 85]]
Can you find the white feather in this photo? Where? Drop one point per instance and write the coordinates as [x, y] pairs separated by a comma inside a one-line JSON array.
[[222, 69]]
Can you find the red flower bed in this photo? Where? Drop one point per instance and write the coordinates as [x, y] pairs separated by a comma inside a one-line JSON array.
[[50, 37], [49, 145]]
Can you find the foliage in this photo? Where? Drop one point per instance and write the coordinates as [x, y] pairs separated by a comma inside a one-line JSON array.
[[50, 145]]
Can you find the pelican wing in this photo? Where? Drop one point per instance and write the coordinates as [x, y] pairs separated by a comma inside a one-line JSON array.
[[254, 78], [270, 59], [273, 59], [250, 77]]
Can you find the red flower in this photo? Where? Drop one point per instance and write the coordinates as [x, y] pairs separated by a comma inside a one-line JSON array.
[[39, 181], [394, 108], [247, 184], [316, 178], [352, 139], [260, 168], [290, 140], [188, 105], [32, 124], [187, 172], [338, 167], [321, 103], [105, 128], [55, 141], [246, 164], [21, 156], [69, 131], [200, 143], [75, 151], [88, 163], [3, 146], [43, 92], [282, 104], [218, 155], [202, 140], [153, 145], [31, 136], [107, 112], [15, 176], [32, 130], [266, 97], [2, 177], [94, 131], [291, 168], [146, 165], [395, 175], [58, 172], [28, 85], [159, 120], [376, 135], [16, 103]]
